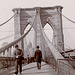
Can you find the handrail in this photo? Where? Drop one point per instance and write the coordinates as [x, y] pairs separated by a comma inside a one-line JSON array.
[[65, 68], [67, 59]]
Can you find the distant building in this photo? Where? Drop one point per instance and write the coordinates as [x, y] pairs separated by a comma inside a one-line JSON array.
[[30, 49]]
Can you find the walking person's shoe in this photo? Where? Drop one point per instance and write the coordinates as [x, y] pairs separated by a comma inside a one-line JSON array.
[[16, 73], [20, 72]]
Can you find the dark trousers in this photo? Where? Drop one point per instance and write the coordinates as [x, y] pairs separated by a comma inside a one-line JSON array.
[[38, 60], [18, 64], [39, 65]]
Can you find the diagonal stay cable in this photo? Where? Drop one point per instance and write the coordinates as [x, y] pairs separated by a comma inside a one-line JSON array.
[[6, 37], [57, 46], [67, 18], [7, 20], [17, 40], [14, 42], [54, 51], [51, 23], [12, 34], [50, 41]]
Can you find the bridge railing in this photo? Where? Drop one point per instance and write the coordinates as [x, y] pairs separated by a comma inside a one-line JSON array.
[[50, 60], [9, 47], [65, 68], [53, 58], [12, 44], [6, 62], [52, 54], [61, 65]]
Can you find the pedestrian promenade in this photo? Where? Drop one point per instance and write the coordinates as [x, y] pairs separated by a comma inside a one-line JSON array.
[[31, 69]]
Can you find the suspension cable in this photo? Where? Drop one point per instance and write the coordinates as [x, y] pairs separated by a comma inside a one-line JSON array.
[[67, 18], [15, 41], [12, 34], [6, 37], [50, 22], [52, 48], [7, 20], [12, 43], [58, 46], [70, 21]]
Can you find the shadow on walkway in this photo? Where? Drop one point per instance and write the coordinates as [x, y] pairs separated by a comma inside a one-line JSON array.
[[29, 69]]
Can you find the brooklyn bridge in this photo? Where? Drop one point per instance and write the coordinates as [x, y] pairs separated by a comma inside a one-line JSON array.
[[30, 22]]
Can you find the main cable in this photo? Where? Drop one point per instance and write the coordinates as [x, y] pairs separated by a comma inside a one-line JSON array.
[[50, 22], [67, 18], [7, 20]]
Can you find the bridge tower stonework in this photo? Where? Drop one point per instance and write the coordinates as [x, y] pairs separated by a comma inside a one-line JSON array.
[[40, 16]]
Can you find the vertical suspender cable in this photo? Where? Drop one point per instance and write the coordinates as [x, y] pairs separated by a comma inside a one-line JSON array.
[[59, 31]]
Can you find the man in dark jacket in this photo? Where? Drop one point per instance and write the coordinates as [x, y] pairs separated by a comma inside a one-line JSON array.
[[18, 61], [38, 57]]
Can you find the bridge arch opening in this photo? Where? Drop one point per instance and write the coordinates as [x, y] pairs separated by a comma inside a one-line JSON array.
[[29, 42], [49, 31]]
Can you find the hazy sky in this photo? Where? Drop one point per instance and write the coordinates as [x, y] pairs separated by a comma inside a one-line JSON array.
[[6, 7]]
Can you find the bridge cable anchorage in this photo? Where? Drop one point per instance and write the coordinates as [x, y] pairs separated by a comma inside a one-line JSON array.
[[7, 20], [67, 18], [53, 24]]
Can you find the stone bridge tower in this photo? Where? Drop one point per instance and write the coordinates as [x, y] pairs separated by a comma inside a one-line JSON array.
[[41, 16]]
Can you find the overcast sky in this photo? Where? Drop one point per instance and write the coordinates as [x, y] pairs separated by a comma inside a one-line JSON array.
[[6, 7]]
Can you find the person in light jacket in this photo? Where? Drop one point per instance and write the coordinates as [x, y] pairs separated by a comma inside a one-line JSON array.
[[18, 59]]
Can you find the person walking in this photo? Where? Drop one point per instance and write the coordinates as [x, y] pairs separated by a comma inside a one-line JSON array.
[[38, 57], [18, 59], [28, 59]]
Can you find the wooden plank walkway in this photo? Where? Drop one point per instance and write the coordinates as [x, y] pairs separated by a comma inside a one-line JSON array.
[[31, 69]]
